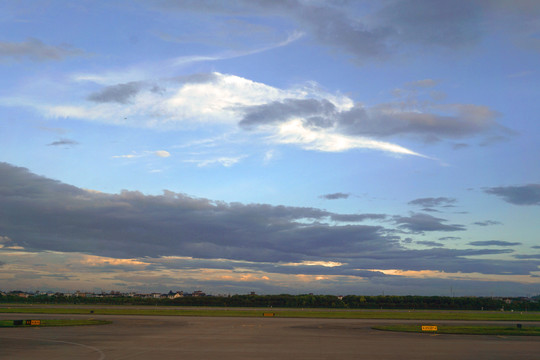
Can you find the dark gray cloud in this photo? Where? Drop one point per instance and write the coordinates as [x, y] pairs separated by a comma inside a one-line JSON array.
[[120, 93], [387, 30], [456, 121], [333, 28], [529, 256], [517, 195], [41, 214], [44, 214], [487, 223], [35, 50], [385, 120], [494, 243], [335, 196], [419, 223], [357, 217], [431, 202], [450, 24], [315, 112], [61, 142]]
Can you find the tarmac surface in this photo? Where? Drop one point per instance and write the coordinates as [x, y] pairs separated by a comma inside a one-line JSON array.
[[175, 337]]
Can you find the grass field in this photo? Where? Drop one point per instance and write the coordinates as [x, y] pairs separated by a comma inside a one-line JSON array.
[[466, 330], [57, 322], [285, 313]]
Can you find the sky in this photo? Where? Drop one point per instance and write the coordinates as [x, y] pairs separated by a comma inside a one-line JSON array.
[[289, 146]]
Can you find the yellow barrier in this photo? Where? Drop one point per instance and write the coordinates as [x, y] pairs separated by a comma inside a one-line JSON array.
[[429, 328], [33, 322], [269, 314]]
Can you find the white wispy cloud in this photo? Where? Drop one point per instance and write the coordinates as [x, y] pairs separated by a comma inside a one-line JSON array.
[[223, 161], [187, 60], [221, 99], [162, 153], [293, 132], [134, 155]]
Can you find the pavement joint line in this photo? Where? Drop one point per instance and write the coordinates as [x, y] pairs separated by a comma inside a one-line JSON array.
[[101, 354]]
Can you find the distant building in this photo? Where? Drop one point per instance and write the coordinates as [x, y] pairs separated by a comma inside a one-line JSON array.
[[79, 294], [175, 295], [19, 293]]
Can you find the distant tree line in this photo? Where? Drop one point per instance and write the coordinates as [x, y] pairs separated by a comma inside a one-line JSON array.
[[299, 301]]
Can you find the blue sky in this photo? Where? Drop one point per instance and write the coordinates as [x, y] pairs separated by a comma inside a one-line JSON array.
[[343, 147]]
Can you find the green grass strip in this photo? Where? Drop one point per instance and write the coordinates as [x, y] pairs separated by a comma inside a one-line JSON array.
[[466, 330], [288, 313], [56, 322]]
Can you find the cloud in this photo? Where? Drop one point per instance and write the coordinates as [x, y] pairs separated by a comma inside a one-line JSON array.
[[434, 202], [493, 243], [421, 84], [35, 50], [4, 240], [185, 60], [120, 93], [295, 133], [430, 123], [335, 196], [128, 156], [222, 160], [62, 142], [357, 217], [438, 122], [430, 243], [445, 238], [327, 24], [315, 111], [388, 29], [385, 30], [162, 153], [335, 29], [451, 24], [300, 116], [135, 155], [174, 103], [528, 256], [41, 214], [517, 195], [418, 223], [487, 223], [132, 225]]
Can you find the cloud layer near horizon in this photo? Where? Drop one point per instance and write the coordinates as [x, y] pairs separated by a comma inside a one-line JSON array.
[[39, 214]]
